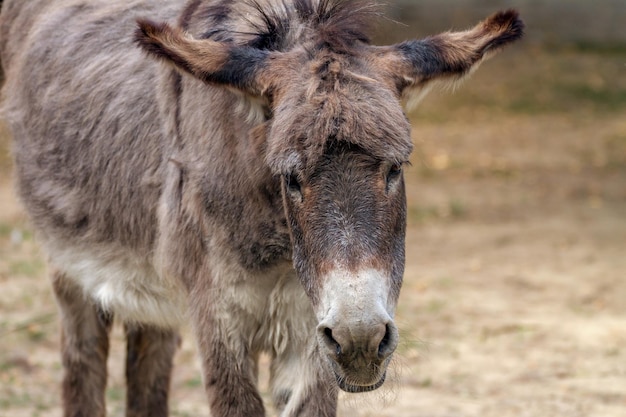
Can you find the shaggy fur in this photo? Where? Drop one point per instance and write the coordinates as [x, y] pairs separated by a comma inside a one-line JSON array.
[[234, 164]]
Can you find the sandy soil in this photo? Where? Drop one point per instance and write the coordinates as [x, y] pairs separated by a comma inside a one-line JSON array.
[[514, 301]]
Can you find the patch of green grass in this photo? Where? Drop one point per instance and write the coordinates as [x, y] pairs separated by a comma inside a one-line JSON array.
[[615, 146], [515, 329], [424, 382], [5, 366], [457, 209], [178, 413], [5, 230], [6, 161], [566, 97], [609, 98], [40, 406], [36, 333], [454, 210], [15, 400], [530, 106], [12, 398], [193, 383], [115, 394], [445, 282], [27, 268], [421, 214], [435, 306], [591, 47], [34, 327]]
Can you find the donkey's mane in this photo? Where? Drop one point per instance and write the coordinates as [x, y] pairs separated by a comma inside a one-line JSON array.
[[278, 25]]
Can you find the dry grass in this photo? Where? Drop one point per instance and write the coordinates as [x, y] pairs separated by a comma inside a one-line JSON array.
[[514, 296]]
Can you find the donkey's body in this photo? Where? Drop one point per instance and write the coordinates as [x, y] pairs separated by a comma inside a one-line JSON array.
[[95, 191], [162, 197], [90, 147]]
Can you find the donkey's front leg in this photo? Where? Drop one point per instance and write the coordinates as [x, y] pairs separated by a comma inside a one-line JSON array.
[[85, 347], [229, 371], [148, 370]]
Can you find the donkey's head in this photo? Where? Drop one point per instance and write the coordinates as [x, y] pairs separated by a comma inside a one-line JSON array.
[[337, 138]]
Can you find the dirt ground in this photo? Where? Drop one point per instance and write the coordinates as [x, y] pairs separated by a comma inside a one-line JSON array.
[[514, 302]]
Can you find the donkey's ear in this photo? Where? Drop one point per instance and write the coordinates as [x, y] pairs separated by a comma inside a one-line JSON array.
[[416, 65], [212, 62]]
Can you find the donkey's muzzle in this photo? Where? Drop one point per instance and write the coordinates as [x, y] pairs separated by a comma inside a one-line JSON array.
[[359, 353]]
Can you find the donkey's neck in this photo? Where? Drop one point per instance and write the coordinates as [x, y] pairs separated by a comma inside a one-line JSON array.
[[211, 136]]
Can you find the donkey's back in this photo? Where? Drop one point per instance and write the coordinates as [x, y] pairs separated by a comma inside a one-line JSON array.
[[80, 99]]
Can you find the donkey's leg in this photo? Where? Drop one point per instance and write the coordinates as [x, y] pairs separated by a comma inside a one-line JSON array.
[[85, 346], [149, 357], [301, 386], [229, 369], [229, 379]]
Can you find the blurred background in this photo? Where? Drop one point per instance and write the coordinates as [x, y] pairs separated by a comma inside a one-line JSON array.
[[553, 21], [514, 301]]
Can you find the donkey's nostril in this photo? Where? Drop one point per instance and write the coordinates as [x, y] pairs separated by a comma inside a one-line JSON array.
[[388, 343], [384, 343], [330, 340]]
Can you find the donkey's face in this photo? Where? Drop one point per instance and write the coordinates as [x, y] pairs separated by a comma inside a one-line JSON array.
[[347, 218], [338, 140]]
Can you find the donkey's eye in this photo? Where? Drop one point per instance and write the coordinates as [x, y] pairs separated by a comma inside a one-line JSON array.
[[394, 172], [293, 186]]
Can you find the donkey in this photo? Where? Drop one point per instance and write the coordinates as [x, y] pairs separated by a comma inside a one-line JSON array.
[[238, 168]]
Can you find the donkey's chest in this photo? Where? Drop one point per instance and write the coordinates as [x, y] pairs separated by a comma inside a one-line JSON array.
[[269, 307]]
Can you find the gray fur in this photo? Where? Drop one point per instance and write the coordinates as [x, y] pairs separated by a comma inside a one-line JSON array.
[[242, 172]]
